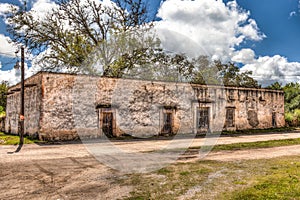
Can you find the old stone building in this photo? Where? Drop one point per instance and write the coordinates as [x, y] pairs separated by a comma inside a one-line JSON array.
[[63, 106]]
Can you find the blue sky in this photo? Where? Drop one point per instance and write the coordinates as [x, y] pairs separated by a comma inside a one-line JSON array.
[[279, 20], [259, 35]]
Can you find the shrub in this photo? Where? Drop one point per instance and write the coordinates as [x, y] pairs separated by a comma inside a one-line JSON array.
[[297, 115], [289, 118]]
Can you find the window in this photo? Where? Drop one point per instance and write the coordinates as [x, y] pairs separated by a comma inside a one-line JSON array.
[[203, 118], [229, 117]]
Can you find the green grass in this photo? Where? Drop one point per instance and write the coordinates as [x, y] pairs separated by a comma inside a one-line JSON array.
[[6, 139], [255, 131], [167, 183], [277, 178], [282, 181], [256, 145], [240, 146]]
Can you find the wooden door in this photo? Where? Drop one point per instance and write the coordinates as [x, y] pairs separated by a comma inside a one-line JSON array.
[[107, 124], [167, 123]]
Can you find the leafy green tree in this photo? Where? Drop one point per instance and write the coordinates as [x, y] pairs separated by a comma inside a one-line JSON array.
[[232, 76], [226, 73], [292, 96], [3, 91], [83, 35], [77, 30], [275, 86], [291, 101]]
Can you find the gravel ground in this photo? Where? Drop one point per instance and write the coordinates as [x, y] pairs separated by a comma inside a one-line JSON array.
[[69, 171]]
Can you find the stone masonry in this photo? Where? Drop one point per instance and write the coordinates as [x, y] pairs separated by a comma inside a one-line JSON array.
[[65, 106]]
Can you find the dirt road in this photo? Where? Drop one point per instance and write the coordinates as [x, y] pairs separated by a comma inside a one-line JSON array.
[[69, 171]]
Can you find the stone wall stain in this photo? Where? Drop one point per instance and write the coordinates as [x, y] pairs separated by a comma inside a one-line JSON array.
[[60, 106]]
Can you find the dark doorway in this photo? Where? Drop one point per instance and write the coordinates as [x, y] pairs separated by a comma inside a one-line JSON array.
[[167, 123], [107, 124]]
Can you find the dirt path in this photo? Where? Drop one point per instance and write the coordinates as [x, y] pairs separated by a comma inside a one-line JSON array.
[[43, 152], [70, 172]]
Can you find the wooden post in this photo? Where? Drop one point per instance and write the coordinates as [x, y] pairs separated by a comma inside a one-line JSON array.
[[22, 98]]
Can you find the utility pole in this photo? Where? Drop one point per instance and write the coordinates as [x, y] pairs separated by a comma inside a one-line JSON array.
[[22, 97]]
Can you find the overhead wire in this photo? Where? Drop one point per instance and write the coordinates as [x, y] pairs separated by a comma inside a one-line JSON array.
[[6, 54]]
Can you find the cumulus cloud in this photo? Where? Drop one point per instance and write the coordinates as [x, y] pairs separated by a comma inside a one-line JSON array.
[[268, 70], [250, 31], [194, 27], [5, 8], [216, 29], [13, 76], [7, 47], [41, 7], [205, 27], [245, 56]]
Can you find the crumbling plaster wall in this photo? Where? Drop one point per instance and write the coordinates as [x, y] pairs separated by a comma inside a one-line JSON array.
[[63, 106], [254, 108], [32, 106], [70, 105]]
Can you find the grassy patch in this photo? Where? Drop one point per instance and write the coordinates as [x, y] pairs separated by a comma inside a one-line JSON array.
[[281, 182], [167, 183], [239, 146], [277, 178], [6, 139], [256, 131], [256, 145]]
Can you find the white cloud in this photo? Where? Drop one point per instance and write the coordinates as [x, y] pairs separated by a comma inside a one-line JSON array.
[[5, 8], [13, 76], [199, 27], [9, 76], [250, 31], [293, 13], [41, 7], [205, 27], [213, 28], [245, 56], [7, 47], [268, 70]]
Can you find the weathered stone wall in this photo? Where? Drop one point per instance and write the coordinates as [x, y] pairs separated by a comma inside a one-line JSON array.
[[254, 108], [32, 103], [57, 120], [72, 105]]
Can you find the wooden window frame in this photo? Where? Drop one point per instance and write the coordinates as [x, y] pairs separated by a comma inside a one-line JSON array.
[[230, 117], [203, 117]]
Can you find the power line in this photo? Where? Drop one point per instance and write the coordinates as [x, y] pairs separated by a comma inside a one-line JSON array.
[[270, 76], [8, 63], [6, 54]]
